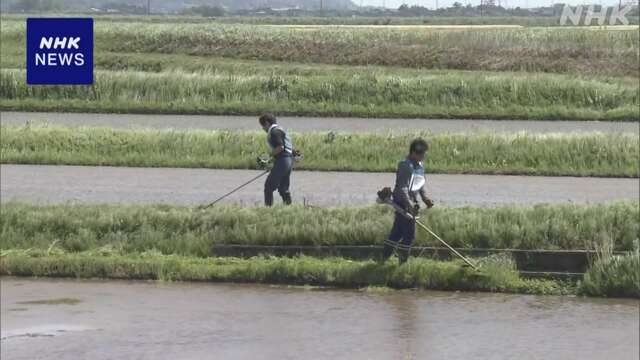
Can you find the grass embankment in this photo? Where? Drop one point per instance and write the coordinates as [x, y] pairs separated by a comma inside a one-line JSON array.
[[457, 95], [189, 232], [614, 276], [479, 153], [557, 50], [498, 273], [173, 243]]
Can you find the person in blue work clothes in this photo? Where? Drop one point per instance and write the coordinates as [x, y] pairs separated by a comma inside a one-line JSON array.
[[410, 182], [282, 153]]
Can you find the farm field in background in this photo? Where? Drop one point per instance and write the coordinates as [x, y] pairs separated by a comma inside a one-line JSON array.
[[524, 73], [464, 68], [538, 49]]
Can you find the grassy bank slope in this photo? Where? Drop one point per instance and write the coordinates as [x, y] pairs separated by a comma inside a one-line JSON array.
[[480, 153], [188, 232], [614, 276], [455, 95], [498, 275]]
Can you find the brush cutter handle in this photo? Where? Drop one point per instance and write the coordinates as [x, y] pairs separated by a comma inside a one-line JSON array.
[[400, 210]]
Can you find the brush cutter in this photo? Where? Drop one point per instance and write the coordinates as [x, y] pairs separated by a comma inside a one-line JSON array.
[[263, 163], [384, 197]]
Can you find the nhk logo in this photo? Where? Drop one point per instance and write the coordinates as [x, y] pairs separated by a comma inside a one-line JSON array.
[[59, 51], [62, 59]]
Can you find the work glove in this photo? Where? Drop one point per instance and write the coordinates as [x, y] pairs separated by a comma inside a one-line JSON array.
[[414, 209], [262, 162], [297, 155], [429, 203]]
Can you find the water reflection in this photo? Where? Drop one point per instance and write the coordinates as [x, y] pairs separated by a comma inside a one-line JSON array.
[[197, 321]]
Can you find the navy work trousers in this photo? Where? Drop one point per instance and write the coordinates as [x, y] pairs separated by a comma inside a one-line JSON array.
[[401, 237], [279, 179]]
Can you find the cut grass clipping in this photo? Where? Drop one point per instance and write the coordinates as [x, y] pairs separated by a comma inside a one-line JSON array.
[[455, 95], [498, 274], [615, 155], [188, 232]]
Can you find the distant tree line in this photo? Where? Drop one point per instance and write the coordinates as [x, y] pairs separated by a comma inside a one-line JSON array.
[[205, 10], [457, 9], [33, 6], [220, 8]]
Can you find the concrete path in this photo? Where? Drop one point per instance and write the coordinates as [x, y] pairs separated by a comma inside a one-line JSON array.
[[316, 124], [85, 184]]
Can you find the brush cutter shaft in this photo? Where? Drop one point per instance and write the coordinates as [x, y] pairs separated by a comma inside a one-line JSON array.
[[404, 213], [447, 245], [238, 188]]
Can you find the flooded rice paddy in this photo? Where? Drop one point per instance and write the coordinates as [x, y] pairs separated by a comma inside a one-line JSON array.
[[150, 320]]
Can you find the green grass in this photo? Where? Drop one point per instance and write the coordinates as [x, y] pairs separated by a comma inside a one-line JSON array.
[[455, 95], [13, 57], [557, 50], [189, 232], [613, 276], [211, 68], [498, 274], [174, 244], [479, 153]]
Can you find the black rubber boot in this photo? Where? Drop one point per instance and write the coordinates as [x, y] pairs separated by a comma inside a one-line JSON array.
[[286, 198], [403, 255], [387, 251]]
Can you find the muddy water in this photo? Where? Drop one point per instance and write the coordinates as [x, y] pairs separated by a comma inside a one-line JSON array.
[[127, 320], [87, 184], [316, 124]]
